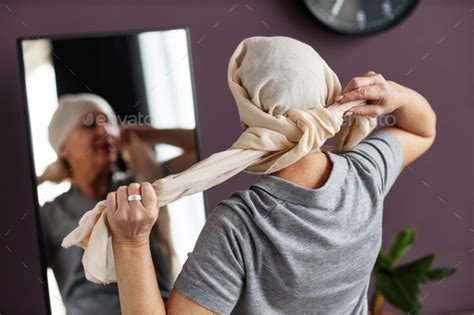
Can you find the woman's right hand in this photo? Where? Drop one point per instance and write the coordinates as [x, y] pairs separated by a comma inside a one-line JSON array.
[[130, 222], [382, 96]]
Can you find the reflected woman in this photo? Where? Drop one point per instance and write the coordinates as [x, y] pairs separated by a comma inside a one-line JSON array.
[[87, 139]]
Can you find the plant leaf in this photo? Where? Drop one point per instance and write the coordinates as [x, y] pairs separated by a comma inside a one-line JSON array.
[[402, 291], [381, 262], [417, 268], [401, 244], [438, 274]]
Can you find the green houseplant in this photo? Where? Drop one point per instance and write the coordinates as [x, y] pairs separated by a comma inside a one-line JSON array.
[[401, 285]]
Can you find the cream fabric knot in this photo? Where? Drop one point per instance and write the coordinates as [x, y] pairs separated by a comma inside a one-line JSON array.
[[285, 95]]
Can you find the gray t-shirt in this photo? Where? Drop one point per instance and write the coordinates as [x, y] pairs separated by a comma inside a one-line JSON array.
[[80, 296], [279, 248]]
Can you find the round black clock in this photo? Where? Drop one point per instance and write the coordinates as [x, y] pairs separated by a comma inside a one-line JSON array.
[[360, 16]]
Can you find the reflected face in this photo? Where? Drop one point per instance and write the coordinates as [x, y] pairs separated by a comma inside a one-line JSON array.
[[92, 144]]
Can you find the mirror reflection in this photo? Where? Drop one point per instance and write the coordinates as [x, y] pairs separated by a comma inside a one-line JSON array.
[[105, 111]]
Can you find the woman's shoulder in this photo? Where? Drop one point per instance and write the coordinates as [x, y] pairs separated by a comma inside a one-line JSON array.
[[56, 217], [58, 202], [232, 211], [232, 208], [244, 207]]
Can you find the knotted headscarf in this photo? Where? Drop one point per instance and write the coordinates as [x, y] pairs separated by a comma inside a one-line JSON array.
[[284, 93]]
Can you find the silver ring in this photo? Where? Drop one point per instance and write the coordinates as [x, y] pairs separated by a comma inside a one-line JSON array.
[[134, 197]]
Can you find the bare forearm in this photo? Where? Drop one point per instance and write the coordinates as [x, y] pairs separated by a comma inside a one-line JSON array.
[[136, 278], [414, 114], [182, 162], [183, 138]]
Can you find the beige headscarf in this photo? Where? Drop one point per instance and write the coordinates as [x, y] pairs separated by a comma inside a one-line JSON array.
[[284, 91], [72, 108], [75, 107]]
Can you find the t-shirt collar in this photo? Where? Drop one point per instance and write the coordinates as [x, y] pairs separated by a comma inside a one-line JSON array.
[[288, 191]]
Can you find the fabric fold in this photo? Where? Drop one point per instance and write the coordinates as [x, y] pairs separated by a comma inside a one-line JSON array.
[[284, 93]]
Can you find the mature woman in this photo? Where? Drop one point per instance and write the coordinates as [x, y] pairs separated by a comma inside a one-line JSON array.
[[87, 139], [305, 237]]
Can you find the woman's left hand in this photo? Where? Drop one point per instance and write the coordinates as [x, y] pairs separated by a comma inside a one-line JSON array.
[[130, 222], [382, 96], [126, 132]]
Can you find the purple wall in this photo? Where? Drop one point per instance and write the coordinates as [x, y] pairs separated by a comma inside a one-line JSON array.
[[431, 52]]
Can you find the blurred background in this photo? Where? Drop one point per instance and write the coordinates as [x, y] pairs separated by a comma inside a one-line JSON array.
[[431, 51]]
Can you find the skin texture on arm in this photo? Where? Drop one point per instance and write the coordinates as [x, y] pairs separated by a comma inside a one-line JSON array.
[[182, 162], [415, 120], [415, 125], [182, 138], [138, 289], [130, 223]]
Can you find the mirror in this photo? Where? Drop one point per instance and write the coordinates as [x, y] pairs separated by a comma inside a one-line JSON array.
[[106, 110]]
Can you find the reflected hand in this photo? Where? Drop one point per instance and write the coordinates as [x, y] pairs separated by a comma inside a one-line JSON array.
[[126, 131], [382, 96], [130, 222]]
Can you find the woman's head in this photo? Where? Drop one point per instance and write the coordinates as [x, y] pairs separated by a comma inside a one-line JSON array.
[[281, 73], [84, 133], [285, 94]]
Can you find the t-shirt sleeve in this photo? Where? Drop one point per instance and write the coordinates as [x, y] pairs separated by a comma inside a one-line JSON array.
[[380, 156], [213, 275]]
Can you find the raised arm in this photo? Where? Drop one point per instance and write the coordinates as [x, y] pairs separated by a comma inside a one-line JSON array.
[[415, 120], [182, 138]]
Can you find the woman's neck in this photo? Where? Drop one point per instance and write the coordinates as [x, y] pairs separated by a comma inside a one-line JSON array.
[[91, 184], [312, 171]]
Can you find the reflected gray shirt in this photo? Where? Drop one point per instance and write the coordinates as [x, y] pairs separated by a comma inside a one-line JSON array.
[[279, 248], [80, 296]]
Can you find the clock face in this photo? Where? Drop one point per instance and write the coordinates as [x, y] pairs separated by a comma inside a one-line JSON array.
[[360, 16]]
